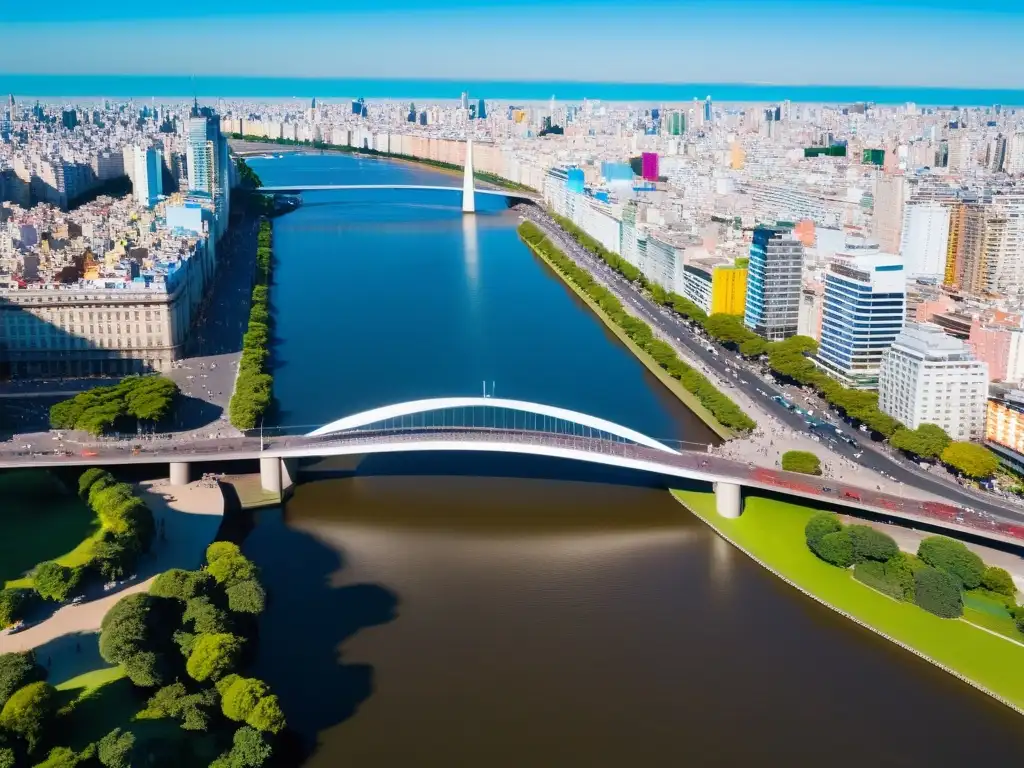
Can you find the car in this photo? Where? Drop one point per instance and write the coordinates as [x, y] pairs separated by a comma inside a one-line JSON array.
[[826, 489]]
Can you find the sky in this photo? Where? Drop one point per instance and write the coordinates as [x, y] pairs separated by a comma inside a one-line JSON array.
[[939, 43]]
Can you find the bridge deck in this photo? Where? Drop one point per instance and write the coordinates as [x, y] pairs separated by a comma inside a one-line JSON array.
[[690, 465]]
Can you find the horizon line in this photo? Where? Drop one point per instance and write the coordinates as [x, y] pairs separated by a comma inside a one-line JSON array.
[[525, 81]]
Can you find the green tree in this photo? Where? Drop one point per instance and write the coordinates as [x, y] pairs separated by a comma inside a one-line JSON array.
[[970, 459], [250, 749], [7, 758], [29, 711], [954, 558], [835, 548], [60, 757], [213, 656], [232, 569], [16, 671], [801, 461], [938, 592], [927, 441], [220, 549], [181, 584], [193, 710], [56, 582], [267, 715], [89, 477], [241, 697], [821, 524], [117, 749], [871, 544], [14, 602], [137, 633], [204, 618], [247, 597], [998, 580]]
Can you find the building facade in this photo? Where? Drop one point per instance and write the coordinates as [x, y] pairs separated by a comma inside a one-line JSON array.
[[927, 377], [775, 273], [863, 311]]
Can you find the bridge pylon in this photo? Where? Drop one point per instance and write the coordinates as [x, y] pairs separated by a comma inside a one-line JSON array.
[[468, 192]]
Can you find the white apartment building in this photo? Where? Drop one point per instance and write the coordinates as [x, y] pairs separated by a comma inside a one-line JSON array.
[[925, 239], [927, 377], [864, 310]]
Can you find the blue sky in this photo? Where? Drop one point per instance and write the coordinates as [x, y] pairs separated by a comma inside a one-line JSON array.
[[951, 43]]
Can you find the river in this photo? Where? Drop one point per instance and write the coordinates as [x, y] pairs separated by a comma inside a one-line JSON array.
[[481, 610]]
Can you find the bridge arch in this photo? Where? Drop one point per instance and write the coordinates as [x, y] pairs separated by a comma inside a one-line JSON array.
[[417, 407]]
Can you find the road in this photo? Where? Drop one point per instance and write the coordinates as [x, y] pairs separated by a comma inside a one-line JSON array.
[[749, 380]]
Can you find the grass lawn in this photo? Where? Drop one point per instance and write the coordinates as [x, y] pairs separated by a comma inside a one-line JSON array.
[[39, 521], [773, 531]]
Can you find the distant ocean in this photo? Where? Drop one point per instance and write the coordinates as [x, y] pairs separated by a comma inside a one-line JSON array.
[[257, 88]]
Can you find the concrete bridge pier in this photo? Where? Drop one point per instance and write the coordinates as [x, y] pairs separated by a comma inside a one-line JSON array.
[[270, 474], [728, 499], [180, 473]]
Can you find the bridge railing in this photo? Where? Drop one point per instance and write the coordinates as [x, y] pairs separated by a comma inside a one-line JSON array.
[[694, 461]]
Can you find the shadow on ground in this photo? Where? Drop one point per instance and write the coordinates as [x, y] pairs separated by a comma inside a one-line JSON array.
[[308, 619]]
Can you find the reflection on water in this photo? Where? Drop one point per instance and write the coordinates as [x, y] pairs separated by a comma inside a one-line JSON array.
[[439, 621]]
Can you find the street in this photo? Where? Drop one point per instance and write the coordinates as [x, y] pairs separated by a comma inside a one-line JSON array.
[[886, 470]]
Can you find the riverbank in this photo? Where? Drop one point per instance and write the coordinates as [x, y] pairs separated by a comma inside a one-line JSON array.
[[772, 534], [686, 397]]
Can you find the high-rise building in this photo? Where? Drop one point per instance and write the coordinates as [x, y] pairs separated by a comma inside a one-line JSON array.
[[991, 248], [676, 124], [925, 239], [864, 309], [147, 175], [209, 163], [708, 112], [1014, 162], [464, 100], [773, 283], [928, 377], [649, 166], [481, 110], [202, 155], [887, 218]]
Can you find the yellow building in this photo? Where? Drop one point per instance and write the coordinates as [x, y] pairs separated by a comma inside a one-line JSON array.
[[729, 290], [1004, 424]]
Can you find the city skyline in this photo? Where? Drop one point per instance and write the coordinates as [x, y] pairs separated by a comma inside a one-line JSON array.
[[780, 43]]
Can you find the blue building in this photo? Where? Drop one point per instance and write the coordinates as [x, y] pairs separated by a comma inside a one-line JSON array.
[[863, 311], [773, 283], [481, 110], [574, 180]]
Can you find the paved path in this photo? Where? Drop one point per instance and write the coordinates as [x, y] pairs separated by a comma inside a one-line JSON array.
[[192, 515]]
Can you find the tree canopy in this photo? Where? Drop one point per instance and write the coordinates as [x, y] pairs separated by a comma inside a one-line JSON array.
[[142, 398], [928, 441], [970, 459], [28, 711], [16, 671], [214, 656], [954, 558]]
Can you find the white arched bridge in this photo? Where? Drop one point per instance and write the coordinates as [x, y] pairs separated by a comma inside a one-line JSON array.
[[297, 188], [468, 189], [488, 424]]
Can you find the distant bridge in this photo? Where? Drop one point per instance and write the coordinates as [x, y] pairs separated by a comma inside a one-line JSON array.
[[484, 424], [469, 192], [295, 189]]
